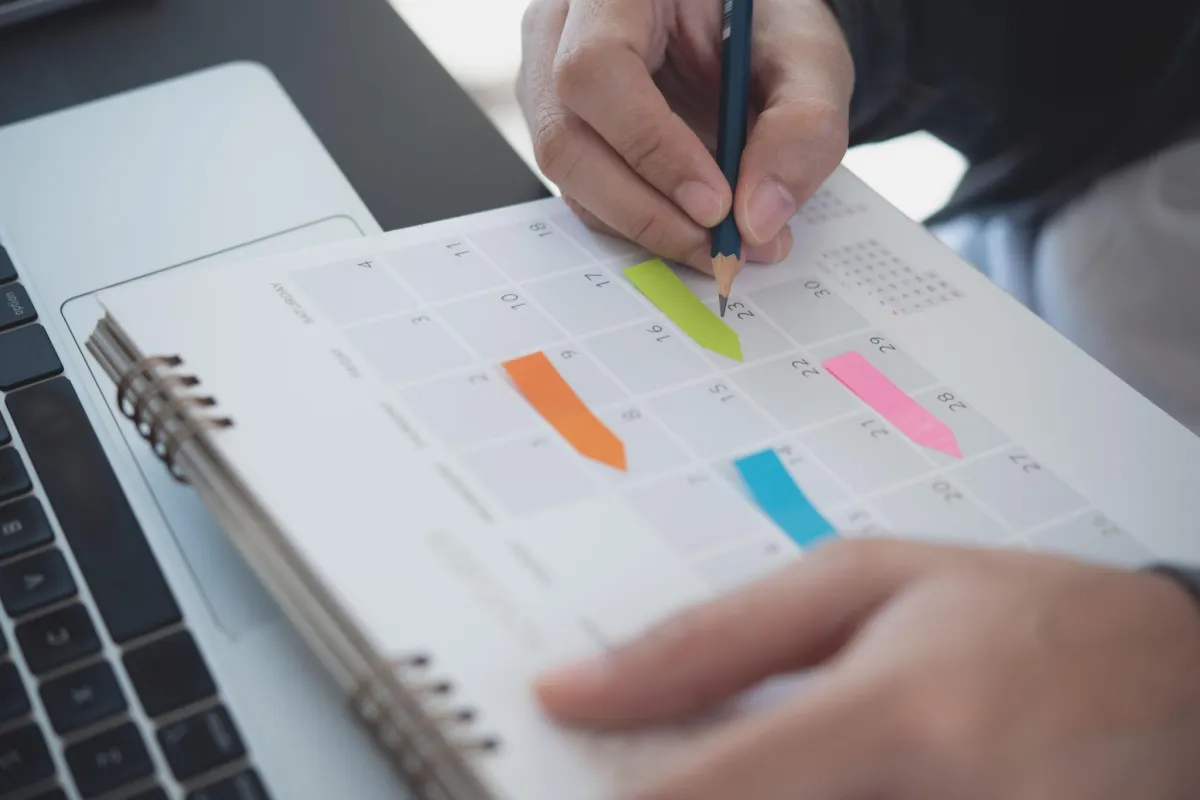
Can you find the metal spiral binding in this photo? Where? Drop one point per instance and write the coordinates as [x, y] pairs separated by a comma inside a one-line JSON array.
[[373, 701], [174, 422]]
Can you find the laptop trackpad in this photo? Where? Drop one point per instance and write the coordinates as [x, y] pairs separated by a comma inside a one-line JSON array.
[[237, 600]]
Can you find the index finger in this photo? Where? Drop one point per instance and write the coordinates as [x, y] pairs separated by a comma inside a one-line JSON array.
[[603, 74], [795, 619], [834, 739]]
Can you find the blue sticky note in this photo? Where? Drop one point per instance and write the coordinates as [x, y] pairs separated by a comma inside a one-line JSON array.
[[782, 500]]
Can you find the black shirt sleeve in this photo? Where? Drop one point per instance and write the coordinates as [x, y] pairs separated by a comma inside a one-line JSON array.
[[1187, 577], [1030, 91]]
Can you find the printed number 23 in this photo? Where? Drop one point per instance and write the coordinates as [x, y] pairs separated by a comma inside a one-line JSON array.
[[744, 313]]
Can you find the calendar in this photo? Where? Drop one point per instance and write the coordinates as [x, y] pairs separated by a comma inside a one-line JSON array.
[[509, 441], [435, 321]]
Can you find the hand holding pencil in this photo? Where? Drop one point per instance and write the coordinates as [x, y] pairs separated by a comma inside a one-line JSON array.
[[622, 99]]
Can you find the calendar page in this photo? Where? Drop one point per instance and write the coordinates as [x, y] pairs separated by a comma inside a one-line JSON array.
[[508, 440]]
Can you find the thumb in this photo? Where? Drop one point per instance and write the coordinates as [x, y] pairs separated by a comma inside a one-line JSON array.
[[794, 619], [805, 76]]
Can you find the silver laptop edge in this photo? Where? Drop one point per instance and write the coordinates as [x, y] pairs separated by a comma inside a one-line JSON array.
[[209, 167]]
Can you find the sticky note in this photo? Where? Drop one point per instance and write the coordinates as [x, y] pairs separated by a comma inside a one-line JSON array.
[[672, 296], [782, 500], [877, 390], [552, 397]]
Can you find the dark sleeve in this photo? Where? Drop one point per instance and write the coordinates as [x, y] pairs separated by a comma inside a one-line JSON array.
[[988, 76], [1187, 577]]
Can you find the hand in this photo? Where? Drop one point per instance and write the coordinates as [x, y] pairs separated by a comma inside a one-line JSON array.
[[621, 97], [937, 674]]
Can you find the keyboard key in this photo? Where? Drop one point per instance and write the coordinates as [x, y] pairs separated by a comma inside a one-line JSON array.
[[106, 540], [13, 700], [155, 793], [35, 582], [51, 794], [5, 436], [243, 786], [169, 674], [26, 356], [7, 271], [200, 743], [14, 479], [57, 639], [15, 307], [83, 697], [3, 645], [109, 760], [24, 759], [23, 526]]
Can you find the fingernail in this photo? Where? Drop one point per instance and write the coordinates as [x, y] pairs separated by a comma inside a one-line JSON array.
[[700, 202], [773, 251], [587, 674], [770, 207]]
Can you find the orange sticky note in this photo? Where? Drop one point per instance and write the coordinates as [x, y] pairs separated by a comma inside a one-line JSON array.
[[553, 398]]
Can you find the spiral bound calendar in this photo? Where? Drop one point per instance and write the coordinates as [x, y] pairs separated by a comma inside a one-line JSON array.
[[467, 451]]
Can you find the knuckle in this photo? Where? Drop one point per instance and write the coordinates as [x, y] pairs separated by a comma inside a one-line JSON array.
[[819, 127], [577, 68], [541, 18], [826, 126], [645, 149], [949, 720], [554, 147], [657, 231]]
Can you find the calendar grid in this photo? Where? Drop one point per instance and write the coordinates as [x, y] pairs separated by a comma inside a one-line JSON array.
[[877, 491], [568, 341]]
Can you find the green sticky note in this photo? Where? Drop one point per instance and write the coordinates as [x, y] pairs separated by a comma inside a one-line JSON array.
[[672, 296]]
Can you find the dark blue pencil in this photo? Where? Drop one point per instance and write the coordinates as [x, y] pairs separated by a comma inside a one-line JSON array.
[[731, 136]]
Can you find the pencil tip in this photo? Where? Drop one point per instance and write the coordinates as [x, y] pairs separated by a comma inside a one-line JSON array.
[[724, 302]]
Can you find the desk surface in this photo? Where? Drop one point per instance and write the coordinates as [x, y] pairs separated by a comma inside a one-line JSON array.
[[412, 143]]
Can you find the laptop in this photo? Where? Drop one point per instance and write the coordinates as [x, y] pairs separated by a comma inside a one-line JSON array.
[[14, 11], [139, 659]]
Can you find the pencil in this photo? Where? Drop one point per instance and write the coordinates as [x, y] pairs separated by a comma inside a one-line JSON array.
[[731, 137]]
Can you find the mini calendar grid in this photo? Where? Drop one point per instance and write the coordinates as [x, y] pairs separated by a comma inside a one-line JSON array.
[[870, 268], [434, 321]]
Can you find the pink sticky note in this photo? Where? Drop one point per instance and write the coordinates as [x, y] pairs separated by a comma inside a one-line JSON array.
[[877, 390]]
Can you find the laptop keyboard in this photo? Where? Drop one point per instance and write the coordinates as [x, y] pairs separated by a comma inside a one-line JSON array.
[[64, 595]]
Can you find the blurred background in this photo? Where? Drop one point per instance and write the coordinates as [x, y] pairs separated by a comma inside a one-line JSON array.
[[479, 42]]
